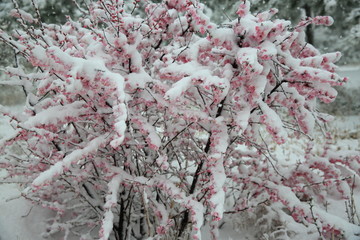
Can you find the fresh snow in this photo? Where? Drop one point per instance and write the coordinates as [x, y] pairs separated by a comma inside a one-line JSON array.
[[20, 219], [58, 168]]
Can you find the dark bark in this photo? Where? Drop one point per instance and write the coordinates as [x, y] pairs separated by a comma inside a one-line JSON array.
[[185, 219], [119, 230], [310, 28]]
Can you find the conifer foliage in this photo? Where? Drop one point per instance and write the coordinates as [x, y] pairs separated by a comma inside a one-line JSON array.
[[145, 120]]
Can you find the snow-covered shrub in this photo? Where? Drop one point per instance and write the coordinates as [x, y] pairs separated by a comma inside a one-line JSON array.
[[150, 121]]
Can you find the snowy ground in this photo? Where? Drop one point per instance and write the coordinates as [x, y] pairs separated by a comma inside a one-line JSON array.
[[16, 214], [20, 220]]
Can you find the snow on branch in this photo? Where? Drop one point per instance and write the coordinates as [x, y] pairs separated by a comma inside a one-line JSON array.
[[62, 166], [145, 119]]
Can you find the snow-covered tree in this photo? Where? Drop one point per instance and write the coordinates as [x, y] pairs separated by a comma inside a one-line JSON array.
[[150, 121], [50, 11], [344, 12]]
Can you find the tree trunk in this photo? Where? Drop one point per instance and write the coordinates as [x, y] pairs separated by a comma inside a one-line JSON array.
[[310, 28]]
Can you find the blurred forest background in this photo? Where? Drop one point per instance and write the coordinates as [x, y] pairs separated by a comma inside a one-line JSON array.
[[343, 35]]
